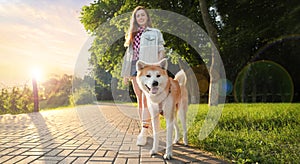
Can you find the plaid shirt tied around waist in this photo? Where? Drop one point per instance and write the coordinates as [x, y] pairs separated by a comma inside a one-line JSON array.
[[136, 43]]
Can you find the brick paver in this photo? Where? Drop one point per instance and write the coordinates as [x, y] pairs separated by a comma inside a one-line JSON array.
[[104, 133]]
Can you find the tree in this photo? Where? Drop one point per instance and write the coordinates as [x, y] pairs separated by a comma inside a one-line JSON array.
[[256, 30], [57, 91], [242, 31], [213, 98], [106, 57], [16, 100]]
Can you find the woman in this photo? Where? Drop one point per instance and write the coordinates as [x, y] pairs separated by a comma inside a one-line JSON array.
[[144, 43]]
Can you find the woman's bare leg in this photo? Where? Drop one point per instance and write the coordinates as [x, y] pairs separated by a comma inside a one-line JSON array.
[[138, 93], [143, 113], [142, 104]]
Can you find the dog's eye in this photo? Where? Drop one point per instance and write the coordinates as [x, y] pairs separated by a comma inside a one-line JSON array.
[[157, 75], [148, 76]]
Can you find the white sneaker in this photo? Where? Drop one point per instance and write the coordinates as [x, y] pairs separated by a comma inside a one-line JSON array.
[[142, 137]]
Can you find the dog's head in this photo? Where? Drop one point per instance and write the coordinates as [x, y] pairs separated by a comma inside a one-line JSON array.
[[152, 77]]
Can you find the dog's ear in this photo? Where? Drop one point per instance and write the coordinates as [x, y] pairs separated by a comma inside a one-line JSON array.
[[140, 65], [164, 64]]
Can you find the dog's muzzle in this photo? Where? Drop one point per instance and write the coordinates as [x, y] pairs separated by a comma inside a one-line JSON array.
[[154, 87]]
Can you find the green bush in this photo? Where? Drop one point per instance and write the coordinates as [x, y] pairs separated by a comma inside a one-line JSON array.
[[57, 100], [83, 95], [16, 100]]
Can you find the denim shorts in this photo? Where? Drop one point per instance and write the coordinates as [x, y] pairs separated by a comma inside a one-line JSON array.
[[133, 71]]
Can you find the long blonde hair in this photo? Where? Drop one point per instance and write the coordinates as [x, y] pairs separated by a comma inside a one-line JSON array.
[[133, 28]]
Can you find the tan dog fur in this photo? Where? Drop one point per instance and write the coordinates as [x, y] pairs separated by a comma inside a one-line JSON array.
[[166, 94]]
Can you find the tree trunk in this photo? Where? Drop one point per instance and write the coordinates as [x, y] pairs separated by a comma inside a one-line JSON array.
[[35, 95], [210, 28], [213, 98]]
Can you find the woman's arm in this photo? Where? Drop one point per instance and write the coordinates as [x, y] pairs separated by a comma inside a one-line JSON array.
[[161, 48]]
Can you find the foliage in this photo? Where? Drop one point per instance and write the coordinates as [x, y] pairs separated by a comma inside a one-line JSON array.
[[256, 83], [249, 26], [83, 91], [250, 133], [57, 90], [248, 31], [106, 54], [53, 93], [16, 100], [83, 96]]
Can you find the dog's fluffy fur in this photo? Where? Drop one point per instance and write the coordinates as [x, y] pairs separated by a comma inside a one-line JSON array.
[[168, 94]]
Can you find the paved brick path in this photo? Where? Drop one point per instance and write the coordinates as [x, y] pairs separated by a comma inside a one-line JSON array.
[[88, 134]]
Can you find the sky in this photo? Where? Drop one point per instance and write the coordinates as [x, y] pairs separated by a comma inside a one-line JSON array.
[[44, 35]]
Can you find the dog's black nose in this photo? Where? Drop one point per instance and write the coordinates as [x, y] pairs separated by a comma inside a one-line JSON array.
[[155, 84]]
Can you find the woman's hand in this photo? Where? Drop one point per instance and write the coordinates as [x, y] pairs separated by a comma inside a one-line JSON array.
[[161, 55], [125, 80]]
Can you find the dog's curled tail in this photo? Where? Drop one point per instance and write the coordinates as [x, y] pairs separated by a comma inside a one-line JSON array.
[[181, 77]]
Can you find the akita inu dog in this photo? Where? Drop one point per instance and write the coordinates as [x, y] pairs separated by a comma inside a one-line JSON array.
[[164, 95]]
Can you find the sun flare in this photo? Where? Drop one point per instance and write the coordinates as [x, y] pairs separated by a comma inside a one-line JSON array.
[[37, 73]]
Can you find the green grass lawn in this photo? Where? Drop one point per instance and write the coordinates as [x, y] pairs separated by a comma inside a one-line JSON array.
[[250, 133]]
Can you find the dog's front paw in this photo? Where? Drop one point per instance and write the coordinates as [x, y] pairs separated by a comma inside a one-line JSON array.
[[153, 153], [141, 140], [185, 142], [175, 141], [168, 156]]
